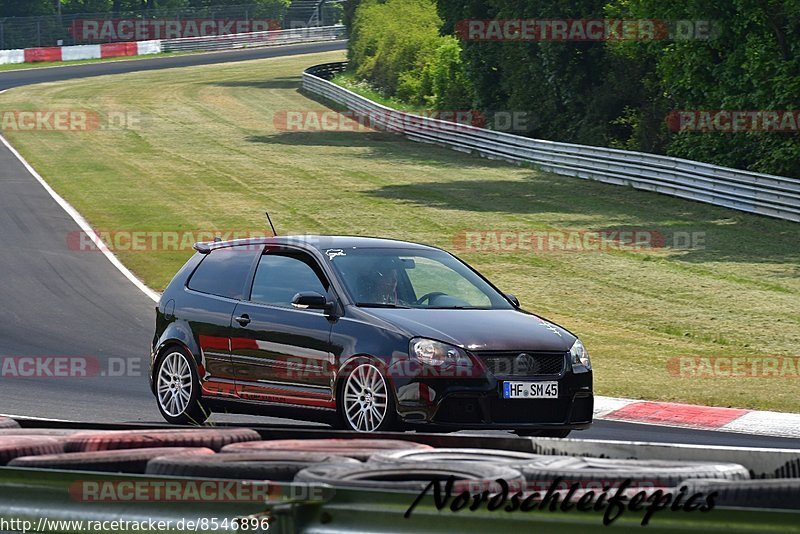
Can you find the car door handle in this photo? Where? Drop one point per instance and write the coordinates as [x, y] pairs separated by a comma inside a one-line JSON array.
[[243, 320]]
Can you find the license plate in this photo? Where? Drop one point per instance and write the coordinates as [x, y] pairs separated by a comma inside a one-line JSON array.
[[530, 390]]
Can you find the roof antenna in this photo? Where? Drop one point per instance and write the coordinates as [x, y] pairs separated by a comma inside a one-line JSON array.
[[274, 233]]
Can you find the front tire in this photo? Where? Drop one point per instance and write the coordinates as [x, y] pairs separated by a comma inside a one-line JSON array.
[[365, 402], [177, 389]]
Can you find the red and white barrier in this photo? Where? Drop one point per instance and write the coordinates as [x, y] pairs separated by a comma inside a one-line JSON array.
[[73, 53], [12, 56]]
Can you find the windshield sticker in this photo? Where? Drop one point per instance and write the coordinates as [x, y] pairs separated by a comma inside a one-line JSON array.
[[333, 252]]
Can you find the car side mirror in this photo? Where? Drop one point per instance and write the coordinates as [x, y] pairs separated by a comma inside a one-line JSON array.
[[311, 300], [513, 300]]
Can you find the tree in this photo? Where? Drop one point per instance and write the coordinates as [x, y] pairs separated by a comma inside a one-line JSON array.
[[28, 8]]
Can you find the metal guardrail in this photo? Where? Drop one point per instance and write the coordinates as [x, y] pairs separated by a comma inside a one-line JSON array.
[[51, 501], [763, 194], [254, 39]]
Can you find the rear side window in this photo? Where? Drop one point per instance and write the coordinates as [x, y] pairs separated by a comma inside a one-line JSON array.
[[223, 272]]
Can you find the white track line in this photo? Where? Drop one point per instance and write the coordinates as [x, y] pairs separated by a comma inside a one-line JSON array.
[[84, 225], [32, 418]]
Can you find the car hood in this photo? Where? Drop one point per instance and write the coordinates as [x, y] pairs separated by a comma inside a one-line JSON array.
[[477, 330]]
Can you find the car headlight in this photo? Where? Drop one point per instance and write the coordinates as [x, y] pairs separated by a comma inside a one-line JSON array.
[[579, 355], [435, 353]]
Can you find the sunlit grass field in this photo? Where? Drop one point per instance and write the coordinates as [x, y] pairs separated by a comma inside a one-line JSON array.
[[206, 154]]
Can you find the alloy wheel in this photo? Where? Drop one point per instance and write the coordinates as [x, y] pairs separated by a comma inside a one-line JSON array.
[[174, 384], [366, 398]]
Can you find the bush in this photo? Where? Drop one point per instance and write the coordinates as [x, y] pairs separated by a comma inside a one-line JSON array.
[[396, 46]]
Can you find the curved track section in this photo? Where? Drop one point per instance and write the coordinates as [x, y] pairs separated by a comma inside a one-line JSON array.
[[77, 309]]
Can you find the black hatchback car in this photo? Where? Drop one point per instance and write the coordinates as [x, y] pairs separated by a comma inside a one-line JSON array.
[[365, 333]]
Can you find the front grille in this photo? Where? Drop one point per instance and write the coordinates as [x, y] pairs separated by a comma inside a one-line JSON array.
[[519, 363]]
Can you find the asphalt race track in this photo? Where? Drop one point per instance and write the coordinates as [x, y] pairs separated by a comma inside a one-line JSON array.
[[60, 303]]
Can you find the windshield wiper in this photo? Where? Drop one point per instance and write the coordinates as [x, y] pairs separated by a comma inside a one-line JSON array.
[[380, 305]]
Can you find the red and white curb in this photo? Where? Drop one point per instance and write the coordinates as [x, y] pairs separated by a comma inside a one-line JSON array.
[[73, 53], [760, 423]]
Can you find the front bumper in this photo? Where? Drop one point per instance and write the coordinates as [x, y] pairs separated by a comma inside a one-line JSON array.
[[469, 411], [477, 403]]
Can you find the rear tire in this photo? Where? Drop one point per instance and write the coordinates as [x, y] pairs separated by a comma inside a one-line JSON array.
[[177, 388]]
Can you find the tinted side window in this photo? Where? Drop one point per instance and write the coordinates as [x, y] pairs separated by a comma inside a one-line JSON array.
[[280, 277], [223, 272]]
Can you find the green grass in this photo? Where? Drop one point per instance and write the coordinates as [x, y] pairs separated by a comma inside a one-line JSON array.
[[349, 81], [208, 156]]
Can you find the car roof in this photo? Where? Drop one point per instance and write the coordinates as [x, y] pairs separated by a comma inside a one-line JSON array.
[[318, 242]]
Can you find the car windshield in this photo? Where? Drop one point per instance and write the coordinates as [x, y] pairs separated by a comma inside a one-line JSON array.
[[413, 278]]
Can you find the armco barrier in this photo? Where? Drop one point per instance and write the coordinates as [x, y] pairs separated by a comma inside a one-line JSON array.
[[254, 39], [764, 194], [189, 44], [44, 497]]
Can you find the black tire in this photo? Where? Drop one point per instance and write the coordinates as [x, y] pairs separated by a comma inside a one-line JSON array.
[[776, 493], [412, 476], [7, 422], [454, 455], [390, 414], [15, 446], [117, 461], [269, 465], [652, 473], [543, 433], [213, 438], [360, 449], [194, 413]]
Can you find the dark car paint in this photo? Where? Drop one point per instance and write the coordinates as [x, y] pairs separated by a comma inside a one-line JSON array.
[[203, 324]]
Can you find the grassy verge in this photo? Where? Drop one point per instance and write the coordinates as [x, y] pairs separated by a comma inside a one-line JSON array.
[[207, 155], [360, 87]]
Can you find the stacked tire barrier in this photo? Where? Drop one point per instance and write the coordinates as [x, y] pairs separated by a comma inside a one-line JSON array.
[[751, 192], [380, 484]]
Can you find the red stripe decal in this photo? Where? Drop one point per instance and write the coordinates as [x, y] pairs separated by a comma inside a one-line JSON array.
[[213, 343]]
